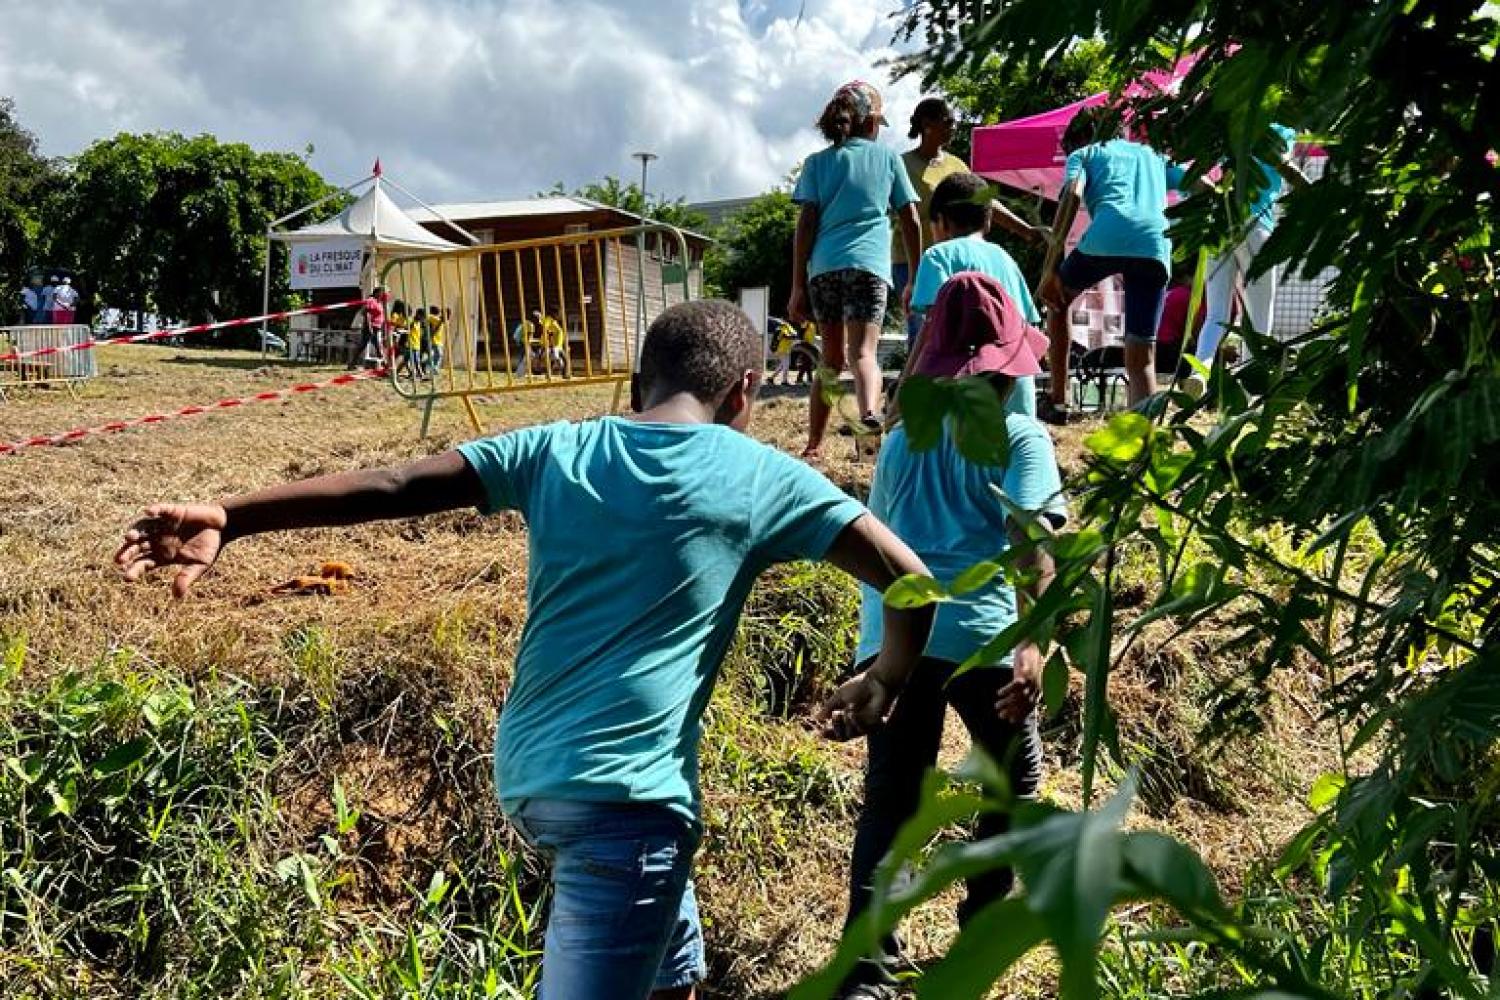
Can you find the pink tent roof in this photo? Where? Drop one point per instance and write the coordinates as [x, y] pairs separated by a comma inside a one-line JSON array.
[[1027, 153]]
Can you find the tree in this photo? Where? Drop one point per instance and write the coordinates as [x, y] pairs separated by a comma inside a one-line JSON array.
[[755, 249], [627, 197], [25, 176], [163, 222], [998, 90], [1332, 507]]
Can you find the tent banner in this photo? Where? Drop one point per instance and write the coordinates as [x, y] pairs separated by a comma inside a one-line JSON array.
[[334, 263]]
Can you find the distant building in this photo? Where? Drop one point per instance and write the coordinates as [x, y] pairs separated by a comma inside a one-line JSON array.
[[591, 287], [721, 211]]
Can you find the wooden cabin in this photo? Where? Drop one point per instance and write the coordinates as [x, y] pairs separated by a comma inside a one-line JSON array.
[[595, 289]]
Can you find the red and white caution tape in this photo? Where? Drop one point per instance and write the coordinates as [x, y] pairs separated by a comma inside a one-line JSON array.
[[115, 426], [182, 331]]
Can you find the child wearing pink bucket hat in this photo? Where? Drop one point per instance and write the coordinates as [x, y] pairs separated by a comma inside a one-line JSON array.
[[945, 508]]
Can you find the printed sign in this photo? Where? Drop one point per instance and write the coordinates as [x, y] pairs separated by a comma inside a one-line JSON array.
[[327, 263]]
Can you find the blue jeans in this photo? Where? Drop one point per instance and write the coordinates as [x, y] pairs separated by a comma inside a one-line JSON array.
[[624, 921], [901, 274]]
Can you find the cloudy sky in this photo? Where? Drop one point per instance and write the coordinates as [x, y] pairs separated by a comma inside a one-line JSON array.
[[462, 99]]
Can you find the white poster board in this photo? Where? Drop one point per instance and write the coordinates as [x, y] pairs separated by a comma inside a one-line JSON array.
[[757, 305], [332, 263]]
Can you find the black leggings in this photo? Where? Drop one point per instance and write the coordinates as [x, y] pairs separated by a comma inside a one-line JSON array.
[[901, 751]]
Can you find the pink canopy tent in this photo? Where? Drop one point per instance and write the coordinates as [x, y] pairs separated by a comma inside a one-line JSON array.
[[1027, 153]]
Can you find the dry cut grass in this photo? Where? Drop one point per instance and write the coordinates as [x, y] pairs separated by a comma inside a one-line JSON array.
[[407, 670]]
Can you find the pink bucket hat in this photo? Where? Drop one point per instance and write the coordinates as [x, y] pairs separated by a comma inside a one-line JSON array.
[[975, 328]]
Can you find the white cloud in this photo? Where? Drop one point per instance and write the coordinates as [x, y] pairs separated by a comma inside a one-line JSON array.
[[460, 98]]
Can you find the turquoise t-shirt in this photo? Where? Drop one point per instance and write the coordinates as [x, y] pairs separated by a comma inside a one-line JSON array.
[[942, 261], [1126, 195], [1263, 210], [944, 507], [644, 540], [854, 186]]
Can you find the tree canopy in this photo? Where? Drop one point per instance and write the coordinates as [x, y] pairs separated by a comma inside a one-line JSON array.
[[755, 249], [25, 177], [163, 221], [627, 196]]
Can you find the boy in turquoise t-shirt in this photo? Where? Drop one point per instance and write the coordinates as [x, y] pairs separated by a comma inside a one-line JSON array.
[[646, 534], [960, 220]]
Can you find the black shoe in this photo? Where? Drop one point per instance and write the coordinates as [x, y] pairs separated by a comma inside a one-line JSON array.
[[1059, 414]]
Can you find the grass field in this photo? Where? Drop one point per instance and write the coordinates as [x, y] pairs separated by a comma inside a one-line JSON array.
[[256, 795]]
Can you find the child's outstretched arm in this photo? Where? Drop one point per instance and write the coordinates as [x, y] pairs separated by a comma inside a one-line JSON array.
[[871, 553], [192, 535]]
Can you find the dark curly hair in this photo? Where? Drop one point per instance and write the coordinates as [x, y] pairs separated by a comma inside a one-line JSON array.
[[840, 118], [699, 347], [959, 200]]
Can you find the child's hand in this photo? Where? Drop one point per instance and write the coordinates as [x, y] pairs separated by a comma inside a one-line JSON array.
[[796, 307], [186, 535], [1019, 698], [859, 705]]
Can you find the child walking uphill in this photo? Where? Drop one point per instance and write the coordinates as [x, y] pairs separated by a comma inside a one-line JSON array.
[[946, 506], [841, 271], [646, 533], [960, 232]]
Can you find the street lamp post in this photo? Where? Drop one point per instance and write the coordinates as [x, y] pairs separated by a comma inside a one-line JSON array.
[[645, 158]]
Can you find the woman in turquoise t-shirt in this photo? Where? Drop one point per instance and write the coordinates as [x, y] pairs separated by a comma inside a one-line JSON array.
[[841, 273]]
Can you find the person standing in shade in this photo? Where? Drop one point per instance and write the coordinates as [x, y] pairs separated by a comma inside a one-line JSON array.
[[64, 302], [1125, 190], [554, 341], [31, 302], [49, 300], [841, 270], [1226, 272], [927, 163]]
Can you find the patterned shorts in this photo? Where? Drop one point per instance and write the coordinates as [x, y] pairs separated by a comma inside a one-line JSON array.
[[848, 296]]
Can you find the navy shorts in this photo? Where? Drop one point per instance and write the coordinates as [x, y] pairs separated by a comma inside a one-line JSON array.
[[1145, 281]]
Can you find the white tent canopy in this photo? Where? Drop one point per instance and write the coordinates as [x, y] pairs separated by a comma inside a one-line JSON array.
[[377, 220], [372, 229]]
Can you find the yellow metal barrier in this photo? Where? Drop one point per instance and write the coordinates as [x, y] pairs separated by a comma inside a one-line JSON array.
[[536, 314], [65, 367]]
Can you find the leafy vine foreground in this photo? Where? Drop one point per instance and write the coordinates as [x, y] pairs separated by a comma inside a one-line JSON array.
[[1338, 500]]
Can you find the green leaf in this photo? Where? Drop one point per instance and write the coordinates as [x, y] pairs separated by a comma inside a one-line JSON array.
[[976, 576], [1055, 682], [1325, 791], [1071, 864], [121, 757], [915, 591], [1122, 439], [923, 409], [994, 939], [979, 430], [1172, 871]]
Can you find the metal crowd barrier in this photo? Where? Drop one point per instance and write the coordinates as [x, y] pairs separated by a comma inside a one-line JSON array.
[[602, 289], [67, 367]]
